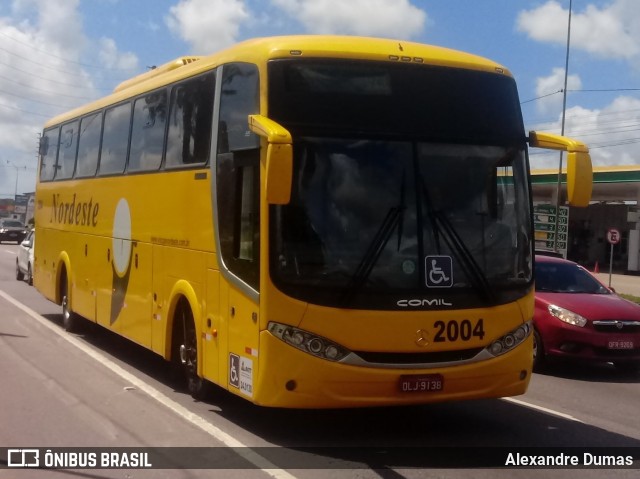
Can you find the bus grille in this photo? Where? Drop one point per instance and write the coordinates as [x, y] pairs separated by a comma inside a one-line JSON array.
[[418, 358]]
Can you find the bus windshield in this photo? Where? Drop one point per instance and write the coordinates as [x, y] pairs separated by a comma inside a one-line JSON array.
[[405, 216]]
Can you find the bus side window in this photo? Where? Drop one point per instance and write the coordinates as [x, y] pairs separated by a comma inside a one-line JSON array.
[[240, 98], [67, 153], [48, 153], [147, 132], [89, 145], [115, 139], [190, 118], [238, 173]]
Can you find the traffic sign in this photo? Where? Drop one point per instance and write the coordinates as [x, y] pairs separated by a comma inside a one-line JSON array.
[[613, 236]]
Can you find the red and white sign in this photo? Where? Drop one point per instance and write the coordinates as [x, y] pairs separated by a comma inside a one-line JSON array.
[[613, 236]]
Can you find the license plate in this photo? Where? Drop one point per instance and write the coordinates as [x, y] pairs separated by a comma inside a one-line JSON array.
[[421, 383], [621, 345]]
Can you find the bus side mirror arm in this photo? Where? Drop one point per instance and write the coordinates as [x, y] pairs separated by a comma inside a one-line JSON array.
[[579, 168], [279, 159]]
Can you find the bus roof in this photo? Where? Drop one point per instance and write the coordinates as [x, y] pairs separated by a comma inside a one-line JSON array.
[[260, 50]]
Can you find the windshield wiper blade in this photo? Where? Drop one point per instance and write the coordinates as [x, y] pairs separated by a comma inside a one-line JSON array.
[[471, 266], [394, 219], [371, 256], [440, 224], [402, 207]]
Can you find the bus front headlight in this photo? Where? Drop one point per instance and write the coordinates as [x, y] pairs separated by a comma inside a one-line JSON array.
[[308, 342], [510, 340]]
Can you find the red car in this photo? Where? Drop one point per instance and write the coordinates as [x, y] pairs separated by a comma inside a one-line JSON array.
[[576, 316]]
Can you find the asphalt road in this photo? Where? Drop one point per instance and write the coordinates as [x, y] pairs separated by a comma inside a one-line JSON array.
[[94, 389]]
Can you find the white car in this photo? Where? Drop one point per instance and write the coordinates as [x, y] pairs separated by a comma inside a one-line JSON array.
[[24, 261]]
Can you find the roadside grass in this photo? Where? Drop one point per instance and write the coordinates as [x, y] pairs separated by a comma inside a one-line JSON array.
[[630, 297]]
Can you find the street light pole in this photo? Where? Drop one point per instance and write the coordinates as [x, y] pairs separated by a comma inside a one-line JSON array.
[[15, 192], [564, 109], [17, 168]]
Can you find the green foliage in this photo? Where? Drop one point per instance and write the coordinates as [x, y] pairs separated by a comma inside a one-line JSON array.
[[632, 298]]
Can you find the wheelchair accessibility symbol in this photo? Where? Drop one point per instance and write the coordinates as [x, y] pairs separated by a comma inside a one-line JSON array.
[[234, 367], [439, 271]]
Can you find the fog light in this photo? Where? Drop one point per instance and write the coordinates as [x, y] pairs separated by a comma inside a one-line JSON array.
[[291, 385], [570, 347]]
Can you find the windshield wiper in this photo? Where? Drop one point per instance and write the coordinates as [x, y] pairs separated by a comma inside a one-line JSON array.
[[457, 245], [470, 265], [371, 256], [393, 219]]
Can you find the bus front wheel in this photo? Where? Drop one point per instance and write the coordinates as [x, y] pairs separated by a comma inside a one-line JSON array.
[[198, 387], [539, 359]]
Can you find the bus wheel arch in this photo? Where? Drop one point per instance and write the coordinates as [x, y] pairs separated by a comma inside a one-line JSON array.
[[185, 345]]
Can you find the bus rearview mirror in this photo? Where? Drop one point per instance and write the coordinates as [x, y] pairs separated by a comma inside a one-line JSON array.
[[279, 173], [579, 168], [579, 178], [279, 170]]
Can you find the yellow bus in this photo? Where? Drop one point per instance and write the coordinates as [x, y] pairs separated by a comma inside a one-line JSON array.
[[305, 221]]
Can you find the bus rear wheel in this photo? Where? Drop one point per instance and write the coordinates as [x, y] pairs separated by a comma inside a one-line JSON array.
[[70, 320], [197, 386]]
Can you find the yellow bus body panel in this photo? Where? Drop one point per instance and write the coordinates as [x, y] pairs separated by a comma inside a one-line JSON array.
[[169, 242]]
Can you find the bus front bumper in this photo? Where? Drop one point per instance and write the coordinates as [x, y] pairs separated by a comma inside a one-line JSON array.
[[289, 377]]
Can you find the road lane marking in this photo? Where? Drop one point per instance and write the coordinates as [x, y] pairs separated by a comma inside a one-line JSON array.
[[241, 449], [519, 402]]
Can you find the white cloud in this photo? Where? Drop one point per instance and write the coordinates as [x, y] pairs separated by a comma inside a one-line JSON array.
[[610, 133], [609, 32], [110, 57], [57, 22], [43, 72], [208, 25], [395, 19], [547, 87], [613, 135]]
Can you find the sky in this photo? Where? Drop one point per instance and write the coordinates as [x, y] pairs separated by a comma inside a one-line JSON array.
[[59, 54]]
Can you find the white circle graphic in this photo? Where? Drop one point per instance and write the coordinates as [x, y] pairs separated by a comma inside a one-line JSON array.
[[122, 237]]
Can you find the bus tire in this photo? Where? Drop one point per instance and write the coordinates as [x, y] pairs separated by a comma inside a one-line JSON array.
[[70, 320], [539, 358], [198, 387]]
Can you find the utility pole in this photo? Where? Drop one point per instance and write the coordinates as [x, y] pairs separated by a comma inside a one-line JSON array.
[[564, 109]]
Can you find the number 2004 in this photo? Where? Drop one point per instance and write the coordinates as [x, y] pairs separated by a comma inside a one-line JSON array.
[[455, 330]]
